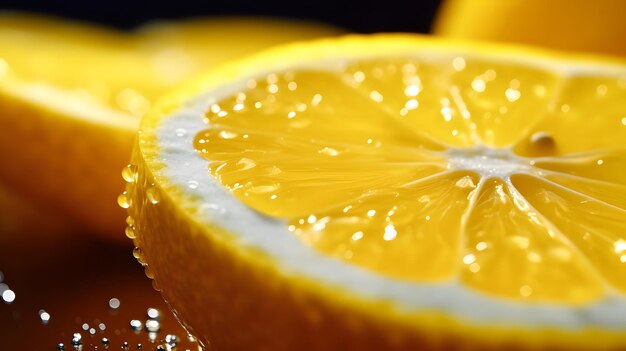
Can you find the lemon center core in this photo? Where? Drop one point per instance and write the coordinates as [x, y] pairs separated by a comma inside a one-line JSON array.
[[487, 161]]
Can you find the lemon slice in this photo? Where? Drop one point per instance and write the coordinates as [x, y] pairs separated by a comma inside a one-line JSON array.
[[71, 96], [586, 27], [389, 192]]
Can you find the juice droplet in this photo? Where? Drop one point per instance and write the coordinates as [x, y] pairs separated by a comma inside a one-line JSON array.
[[149, 272], [123, 201], [130, 232], [129, 173], [130, 220], [139, 256], [136, 252], [155, 285], [152, 193]]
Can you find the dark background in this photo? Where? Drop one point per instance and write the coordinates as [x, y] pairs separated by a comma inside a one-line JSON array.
[[359, 16]]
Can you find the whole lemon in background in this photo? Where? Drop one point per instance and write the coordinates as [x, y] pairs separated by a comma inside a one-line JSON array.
[[578, 25], [71, 95], [389, 192]]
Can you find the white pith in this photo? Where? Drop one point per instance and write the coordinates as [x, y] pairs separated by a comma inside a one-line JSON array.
[[189, 171]]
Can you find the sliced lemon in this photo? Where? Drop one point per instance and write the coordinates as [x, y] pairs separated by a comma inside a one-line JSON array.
[[71, 96], [594, 27], [386, 193]]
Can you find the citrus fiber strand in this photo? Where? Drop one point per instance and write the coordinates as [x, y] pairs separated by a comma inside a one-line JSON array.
[[465, 217], [608, 192], [423, 179], [461, 106], [326, 142], [552, 228], [572, 191], [590, 155]]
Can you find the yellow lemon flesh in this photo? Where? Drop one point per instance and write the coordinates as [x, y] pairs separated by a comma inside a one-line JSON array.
[[389, 193], [585, 26], [71, 96]]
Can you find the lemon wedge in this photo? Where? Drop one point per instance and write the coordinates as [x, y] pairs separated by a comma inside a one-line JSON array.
[[71, 96], [389, 193]]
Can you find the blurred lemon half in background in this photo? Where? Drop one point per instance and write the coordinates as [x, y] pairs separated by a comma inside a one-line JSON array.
[[71, 96], [584, 26], [389, 193]]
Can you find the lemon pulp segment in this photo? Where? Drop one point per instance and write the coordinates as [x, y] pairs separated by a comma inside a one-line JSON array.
[[508, 178]]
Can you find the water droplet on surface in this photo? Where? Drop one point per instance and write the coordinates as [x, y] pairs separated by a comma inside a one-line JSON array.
[[102, 326], [181, 132], [469, 259], [328, 151], [44, 316], [104, 341], [92, 331], [8, 296], [153, 313], [357, 236], [136, 325], [479, 85], [152, 325], [60, 346], [171, 339], [390, 232], [474, 267], [458, 63], [114, 303], [125, 345], [376, 96], [129, 173], [77, 339], [512, 94], [85, 326], [224, 134], [525, 290]]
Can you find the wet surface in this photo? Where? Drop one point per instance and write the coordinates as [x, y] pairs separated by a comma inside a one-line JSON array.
[[79, 285]]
